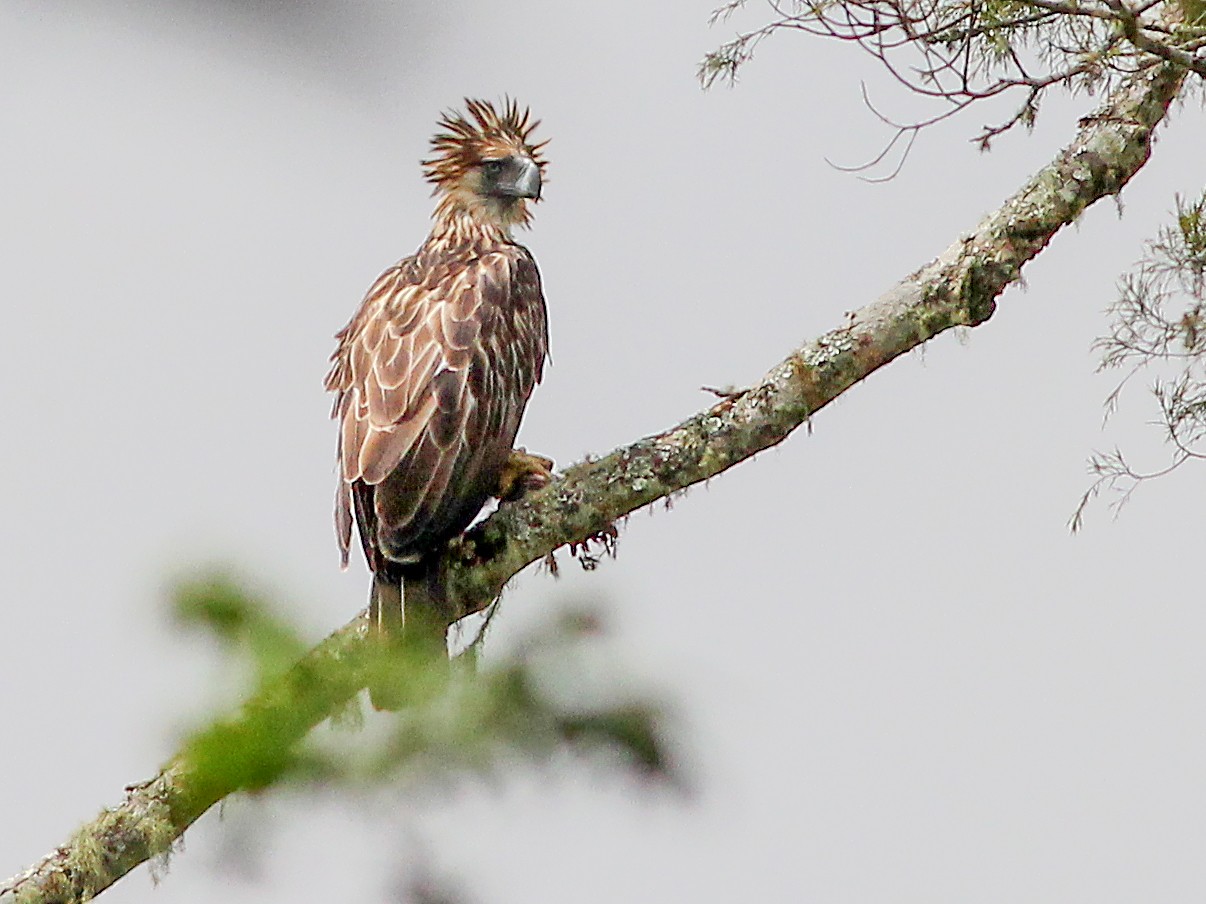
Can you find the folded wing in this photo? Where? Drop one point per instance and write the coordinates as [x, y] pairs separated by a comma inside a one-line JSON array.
[[431, 377]]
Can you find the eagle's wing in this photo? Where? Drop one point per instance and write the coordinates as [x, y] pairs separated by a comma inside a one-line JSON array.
[[402, 374]]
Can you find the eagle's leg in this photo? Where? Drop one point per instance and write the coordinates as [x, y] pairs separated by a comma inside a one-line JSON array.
[[523, 473]]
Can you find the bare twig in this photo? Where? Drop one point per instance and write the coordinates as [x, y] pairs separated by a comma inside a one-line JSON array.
[[1159, 326], [960, 52]]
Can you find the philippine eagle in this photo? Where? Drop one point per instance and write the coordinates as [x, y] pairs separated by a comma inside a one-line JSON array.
[[432, 374]]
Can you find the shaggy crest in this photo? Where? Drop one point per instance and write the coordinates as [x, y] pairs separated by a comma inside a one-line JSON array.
[[483, 134]]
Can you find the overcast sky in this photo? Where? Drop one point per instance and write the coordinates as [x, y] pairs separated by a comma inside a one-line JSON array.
[[896, 675]]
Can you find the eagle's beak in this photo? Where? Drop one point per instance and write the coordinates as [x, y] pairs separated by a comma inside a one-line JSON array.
[[521, 179]]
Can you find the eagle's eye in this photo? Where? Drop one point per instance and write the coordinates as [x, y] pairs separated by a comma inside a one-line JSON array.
[[512, 176]]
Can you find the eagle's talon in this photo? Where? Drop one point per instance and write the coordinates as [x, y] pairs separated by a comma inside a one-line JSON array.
[[530, 483], [523, 473]]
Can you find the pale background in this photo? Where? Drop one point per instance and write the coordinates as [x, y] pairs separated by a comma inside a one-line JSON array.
[[896, 675]]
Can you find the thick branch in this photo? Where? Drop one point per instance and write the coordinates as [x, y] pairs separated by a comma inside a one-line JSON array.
[[959, 288]]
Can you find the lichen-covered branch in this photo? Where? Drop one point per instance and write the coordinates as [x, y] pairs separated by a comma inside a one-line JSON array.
[[959, 288]]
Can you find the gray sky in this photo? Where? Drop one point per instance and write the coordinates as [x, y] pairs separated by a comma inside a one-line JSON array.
[[897, 677]]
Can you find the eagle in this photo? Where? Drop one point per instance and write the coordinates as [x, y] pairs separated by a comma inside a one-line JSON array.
[[432, 374]]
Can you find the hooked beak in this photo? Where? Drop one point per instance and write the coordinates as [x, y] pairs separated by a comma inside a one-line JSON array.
[[520, 179]]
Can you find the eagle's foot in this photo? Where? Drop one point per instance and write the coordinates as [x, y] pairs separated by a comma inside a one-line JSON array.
[[523, 473]]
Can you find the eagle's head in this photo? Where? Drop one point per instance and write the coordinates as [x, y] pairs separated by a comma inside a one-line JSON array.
[[484, 164]]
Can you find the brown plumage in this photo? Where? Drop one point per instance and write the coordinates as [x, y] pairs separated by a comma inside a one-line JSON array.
[[434, 371]]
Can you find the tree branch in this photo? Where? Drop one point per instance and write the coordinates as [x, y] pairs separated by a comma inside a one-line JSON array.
[[959, 288], [1137, 35]]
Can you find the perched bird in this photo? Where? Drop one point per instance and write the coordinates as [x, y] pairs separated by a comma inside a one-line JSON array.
[[434, 371]]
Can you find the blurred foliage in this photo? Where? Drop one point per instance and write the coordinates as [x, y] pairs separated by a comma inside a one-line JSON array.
[[243, 623], [462, 717], [1159, 329]]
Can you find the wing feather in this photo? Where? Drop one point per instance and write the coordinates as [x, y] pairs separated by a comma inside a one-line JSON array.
[[382, 450], [428, 357], [448, 422], [352, 434], [394, 363], [404, 312], [459, 328], [343, 520]]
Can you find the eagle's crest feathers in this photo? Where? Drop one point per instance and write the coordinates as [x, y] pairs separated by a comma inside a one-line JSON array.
[[466, 142]]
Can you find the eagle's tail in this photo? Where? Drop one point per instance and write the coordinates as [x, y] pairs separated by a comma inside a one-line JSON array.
[[406, 609], [386, 615]]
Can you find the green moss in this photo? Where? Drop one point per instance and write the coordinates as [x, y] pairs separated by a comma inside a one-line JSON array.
[[982, 282], [85, 862], [931, 321], [1195, 12]]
